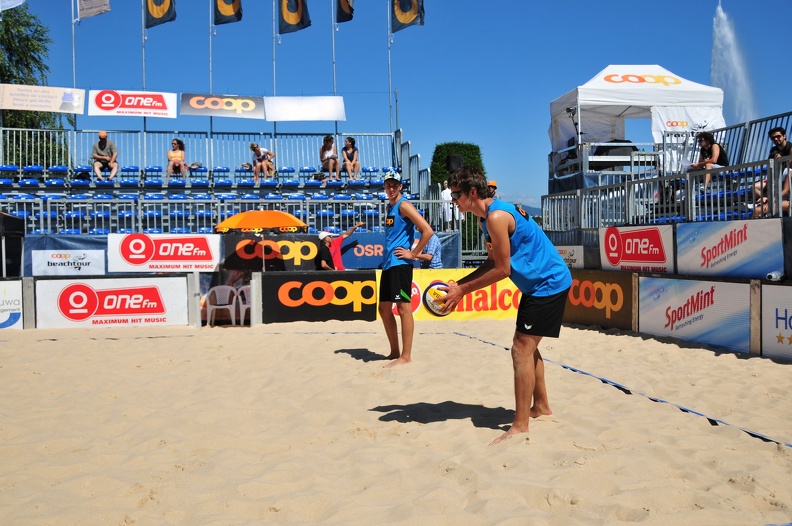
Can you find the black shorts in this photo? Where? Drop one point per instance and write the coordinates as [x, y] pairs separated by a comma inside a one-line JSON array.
[[541, 315], [396, 284]]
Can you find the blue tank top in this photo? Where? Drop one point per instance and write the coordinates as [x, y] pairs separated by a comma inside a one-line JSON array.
[[399, 232], [536, 267]]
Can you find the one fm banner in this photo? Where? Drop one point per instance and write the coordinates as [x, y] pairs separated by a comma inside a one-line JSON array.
[[111, 302], [638, 249], [707, 312], [11, 305], [163, 253], [741, 249], [132, 103], [777, 321]]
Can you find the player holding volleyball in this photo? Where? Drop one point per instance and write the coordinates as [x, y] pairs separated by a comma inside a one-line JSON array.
[[516, 249]]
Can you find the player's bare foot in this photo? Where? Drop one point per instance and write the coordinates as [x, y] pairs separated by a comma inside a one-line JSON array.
[[537, 411], [397, 361], [392, 356], [508, 434]]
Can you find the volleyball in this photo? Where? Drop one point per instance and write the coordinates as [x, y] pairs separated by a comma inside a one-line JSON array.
[[433, 299]]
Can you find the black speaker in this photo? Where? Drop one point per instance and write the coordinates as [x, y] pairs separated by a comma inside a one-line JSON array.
[[453, 162]]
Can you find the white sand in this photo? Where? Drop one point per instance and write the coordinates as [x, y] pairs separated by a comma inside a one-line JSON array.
[[298, 423]]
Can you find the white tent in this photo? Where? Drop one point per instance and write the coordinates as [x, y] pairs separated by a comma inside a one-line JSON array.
[[617, 93]]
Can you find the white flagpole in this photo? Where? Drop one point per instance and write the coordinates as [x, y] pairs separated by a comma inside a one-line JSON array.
[[390, 82], [143, 48], [74, 53], [211, 34], [274, 37], [333, 27]]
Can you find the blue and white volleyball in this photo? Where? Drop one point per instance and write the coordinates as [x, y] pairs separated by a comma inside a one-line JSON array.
[[433, 299]]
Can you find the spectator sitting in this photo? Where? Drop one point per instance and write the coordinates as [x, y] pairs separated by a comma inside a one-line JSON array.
[[105, 155], [711, 156], [328, 156], [176, 162], [493, 188], [351, 161], [781, 148], [431, 255], [262, 162]]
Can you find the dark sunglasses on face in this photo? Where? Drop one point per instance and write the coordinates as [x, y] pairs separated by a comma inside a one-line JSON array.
[[455, 195], [777, 137]]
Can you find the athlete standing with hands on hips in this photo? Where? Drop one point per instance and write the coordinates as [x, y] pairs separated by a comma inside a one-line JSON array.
[[517, 249], [397, 268]]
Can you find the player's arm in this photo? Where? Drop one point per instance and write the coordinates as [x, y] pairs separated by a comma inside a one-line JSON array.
[[408, 211]]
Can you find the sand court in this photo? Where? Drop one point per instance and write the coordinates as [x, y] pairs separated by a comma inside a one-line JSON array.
[[300, 423]]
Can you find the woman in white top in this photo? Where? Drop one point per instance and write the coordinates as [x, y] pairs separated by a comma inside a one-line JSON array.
[[262, 162], [328, 156]]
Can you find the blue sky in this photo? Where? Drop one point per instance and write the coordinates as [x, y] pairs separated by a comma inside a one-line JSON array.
[[480, 75]]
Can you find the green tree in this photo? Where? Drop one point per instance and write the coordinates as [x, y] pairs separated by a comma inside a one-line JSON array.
[[25, 49], [471, 156]]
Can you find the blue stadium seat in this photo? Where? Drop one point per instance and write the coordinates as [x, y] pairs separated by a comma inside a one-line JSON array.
[[33, 171], [55, 183], [152, 230], [177, 182], [200, 183], [27, 182], [181, 230], [246, 183], [223, 182], [337, 185], [103, 197], [286, 170], [268, 183], [7, 170], [105, 183], [206, 230], [70, 231], [58, 171], [153, 196], [357, 184], [179, 197], [342, 197], [127, 197], [125, 231], [226, 196], [129, 182], [312, 183], [290, 184], [6, 183], [99, 231]]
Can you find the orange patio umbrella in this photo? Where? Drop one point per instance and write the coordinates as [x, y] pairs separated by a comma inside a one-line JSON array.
[[257, 221]]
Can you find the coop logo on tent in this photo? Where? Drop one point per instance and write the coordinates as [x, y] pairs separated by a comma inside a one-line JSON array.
[[137, 249], [79, 301], [665, 80], [640, 246]]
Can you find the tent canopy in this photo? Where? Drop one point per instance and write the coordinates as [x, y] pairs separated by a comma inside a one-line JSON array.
[[621, 92]]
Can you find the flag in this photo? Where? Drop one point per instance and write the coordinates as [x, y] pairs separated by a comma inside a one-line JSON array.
[[406, 13], [8, 4], [88, 8], [160, 11], [293, 15], [344, 11], [227, 11]]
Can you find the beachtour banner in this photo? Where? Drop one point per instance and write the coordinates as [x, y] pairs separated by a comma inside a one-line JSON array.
[[109, 103], [708, 312], [163, 253], [777, 321], [572, 255], [11, 305], [741, 249], [637, 249], [42, 98], [68, 262], [111, 302]]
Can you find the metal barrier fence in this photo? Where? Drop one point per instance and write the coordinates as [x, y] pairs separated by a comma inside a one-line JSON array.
[[46, 148], [734, 192], [199, 213]]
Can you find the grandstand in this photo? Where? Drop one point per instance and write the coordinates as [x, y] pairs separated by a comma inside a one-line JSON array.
[[46, 179], [621, 183]]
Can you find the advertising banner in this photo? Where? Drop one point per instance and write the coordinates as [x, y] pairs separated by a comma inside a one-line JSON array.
[[777, 321], [132, 103], [42, 98], [638, 249], [68, 262], [740, 249], [572, 255], [163, 253], [111, 302], [319, 296], [11, 305], [235, 106], [498, 301], [707, 312], [600, 298]]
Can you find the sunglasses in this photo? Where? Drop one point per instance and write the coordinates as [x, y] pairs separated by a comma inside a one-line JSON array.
[[456, 195], [777, 137]]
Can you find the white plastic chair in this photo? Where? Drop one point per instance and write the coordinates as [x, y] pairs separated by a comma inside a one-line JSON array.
[[219, 298], [243, 300]]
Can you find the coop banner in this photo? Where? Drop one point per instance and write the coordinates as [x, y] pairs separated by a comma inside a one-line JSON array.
[[740, 249], [111, 302], [234, 106], [319, 296], [637, 249], [42, 98], [707, 312], [163, 253], [600, 298]]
